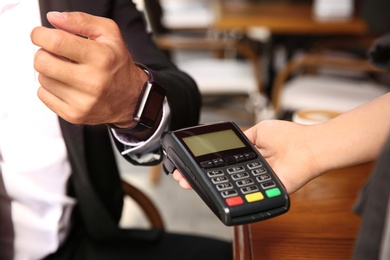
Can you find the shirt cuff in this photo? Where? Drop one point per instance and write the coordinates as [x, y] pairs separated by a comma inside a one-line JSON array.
[[142, 151]]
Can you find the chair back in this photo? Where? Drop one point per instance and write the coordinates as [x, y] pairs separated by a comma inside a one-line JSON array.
[[293, 90]]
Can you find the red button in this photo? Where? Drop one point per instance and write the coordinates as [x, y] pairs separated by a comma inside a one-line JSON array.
[[234, 201]]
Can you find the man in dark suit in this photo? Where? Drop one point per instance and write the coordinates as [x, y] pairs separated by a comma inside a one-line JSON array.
[[94, 83]]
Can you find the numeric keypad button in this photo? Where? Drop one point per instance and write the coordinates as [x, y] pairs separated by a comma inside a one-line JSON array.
[[259, 171], [235, 169], [254, 165], [239, 176], [249, 189], [224, 186], [263, 177], [267, 185], [218, 180], [245, 182], [229, 193], [215, 173]]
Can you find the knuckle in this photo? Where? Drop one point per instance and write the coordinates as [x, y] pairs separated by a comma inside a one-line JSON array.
[[33, 34], [81, 112], [56, 42], [81, 18], [107, 59], [74, 117], [96, 86], [41, 61], [111, 26]]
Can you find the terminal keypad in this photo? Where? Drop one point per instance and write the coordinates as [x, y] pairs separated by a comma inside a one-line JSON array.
[[244, 183]]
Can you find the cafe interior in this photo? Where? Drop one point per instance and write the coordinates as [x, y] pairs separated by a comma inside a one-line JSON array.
[[301, 60]]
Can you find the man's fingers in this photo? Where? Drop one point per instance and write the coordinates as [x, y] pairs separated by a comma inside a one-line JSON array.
[[50, 100], [69, 109], [65, 41], [83, 24], [54, 66], [65, 92], [63, 44]]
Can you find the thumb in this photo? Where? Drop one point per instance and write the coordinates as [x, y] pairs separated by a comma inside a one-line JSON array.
[[83, 24], [250, 134]]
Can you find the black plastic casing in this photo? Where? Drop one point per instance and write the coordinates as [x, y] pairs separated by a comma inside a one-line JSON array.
[[177, 155]]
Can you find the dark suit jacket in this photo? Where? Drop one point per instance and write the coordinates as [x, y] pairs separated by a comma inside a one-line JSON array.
[[95, 180]]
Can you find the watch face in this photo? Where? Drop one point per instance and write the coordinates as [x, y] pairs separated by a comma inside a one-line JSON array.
[[150, 104]]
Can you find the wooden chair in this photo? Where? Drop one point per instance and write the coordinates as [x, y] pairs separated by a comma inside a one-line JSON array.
[[337, 83]]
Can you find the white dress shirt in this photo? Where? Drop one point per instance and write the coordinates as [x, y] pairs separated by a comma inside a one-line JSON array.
[[33, 156]]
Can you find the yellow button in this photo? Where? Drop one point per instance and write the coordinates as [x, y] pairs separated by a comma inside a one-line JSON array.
[[254, 197]]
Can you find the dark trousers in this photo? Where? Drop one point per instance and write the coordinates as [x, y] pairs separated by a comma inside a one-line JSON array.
[[168, 247]]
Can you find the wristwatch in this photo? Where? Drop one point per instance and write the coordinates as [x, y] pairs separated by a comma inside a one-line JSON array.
[[148, 108]]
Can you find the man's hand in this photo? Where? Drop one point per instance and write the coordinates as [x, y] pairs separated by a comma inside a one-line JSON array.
[[90, 80]]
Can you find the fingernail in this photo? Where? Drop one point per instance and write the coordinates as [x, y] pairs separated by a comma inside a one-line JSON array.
[[55, 15]]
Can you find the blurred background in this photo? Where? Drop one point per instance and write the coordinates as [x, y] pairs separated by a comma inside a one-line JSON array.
[[255, 60]]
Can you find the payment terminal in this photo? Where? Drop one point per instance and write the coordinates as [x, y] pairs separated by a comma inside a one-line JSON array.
[[226, 171]]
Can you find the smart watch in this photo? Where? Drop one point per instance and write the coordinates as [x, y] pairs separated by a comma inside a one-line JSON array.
[[149, 105], [148, 108]]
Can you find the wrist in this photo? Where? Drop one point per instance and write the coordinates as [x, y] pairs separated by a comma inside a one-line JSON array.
[[148, 110], [328, 148]]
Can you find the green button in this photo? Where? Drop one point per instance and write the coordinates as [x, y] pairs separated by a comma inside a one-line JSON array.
[[273, 192]]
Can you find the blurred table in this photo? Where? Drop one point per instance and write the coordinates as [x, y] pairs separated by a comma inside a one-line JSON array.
[[282, 23], [280, 17], [319, 225]]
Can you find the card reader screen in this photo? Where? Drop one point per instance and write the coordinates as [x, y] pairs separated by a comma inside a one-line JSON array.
[[213, 142]]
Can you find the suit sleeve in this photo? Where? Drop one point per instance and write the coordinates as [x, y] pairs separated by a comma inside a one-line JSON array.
[[182, 92]]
